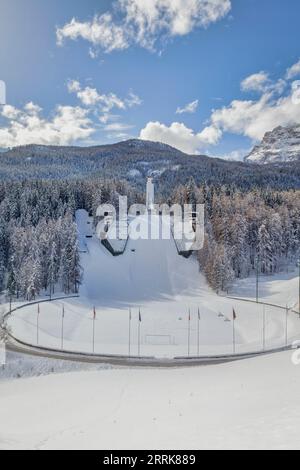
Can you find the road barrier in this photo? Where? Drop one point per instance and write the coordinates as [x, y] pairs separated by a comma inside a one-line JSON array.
[[18, 345]]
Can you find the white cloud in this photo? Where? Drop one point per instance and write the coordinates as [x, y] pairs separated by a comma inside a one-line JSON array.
[[10, 112], [89, 96], [101, 31], [27, 126], [277, 105], [108, 117], [293, 71], [178, 136], [171, 17], [93, 53], [144, 22], [67, 124], [254, 118], [260, 82], [106, 102], [256, 82], [117, 127], [189, 108], [210, 135], [74, 86], [133, 100], [234, 156]]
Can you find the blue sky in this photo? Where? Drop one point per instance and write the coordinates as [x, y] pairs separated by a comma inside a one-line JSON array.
[[123, 68]]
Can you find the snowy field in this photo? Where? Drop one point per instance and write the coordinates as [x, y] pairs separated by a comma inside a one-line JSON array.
[[252, 404], [153, 278], [20, 366]]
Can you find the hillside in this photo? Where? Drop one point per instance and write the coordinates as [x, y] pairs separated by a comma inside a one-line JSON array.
[[243, 405], [134, 160]]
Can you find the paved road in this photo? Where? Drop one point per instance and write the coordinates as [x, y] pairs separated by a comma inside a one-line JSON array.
[[19, 347]]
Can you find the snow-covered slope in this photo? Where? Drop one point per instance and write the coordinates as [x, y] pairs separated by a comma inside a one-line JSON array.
[[279, 146], [246, 405]]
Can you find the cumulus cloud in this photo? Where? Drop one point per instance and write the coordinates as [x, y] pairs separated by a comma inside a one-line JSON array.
[[144, 22], [67, 124], [189, 108], [27, 126], [293, 71], [179, 136], [254, 118]]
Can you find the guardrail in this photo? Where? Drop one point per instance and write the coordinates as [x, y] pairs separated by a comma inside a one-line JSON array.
[[259, 302], [36, 302], [142, 361]]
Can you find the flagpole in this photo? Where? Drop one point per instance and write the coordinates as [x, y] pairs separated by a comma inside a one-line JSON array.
[[129, 335], [234, 348], [286, 326], [189, 334], [94, 321], [37, 325], [264, 327], [198, 333], [139, 334], [234, 342], [62, 328]]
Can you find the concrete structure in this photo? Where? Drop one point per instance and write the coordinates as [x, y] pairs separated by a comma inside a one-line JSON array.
[[150, 194]]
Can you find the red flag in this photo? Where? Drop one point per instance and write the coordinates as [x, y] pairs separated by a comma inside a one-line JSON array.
[[38, 309], [199, 314], [234, 315], [189, 315], [140, 317], [63, 312], [95, 314]]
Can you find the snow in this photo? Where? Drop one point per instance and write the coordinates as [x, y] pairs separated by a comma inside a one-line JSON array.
[[153, 278], [19, 366], [252, 404], [134, 173], [280, 145], [281, 289]]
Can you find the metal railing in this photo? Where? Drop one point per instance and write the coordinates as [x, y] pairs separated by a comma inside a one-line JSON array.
[[23, 346]]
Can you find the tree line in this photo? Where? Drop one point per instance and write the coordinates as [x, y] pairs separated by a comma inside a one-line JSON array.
[[245, 232], [38, 235]]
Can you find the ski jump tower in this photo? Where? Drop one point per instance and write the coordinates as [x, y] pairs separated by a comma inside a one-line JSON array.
[[150, 195]]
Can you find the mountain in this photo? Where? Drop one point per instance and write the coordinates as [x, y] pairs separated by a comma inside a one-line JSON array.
[[279, 146], [135, 160]]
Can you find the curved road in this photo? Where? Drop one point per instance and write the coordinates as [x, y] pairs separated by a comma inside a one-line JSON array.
[[18, 346]]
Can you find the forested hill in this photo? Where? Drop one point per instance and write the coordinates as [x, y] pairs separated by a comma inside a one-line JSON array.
[[134, 160]]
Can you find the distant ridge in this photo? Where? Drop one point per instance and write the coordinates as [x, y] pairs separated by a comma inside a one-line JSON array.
[[135, 160]]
